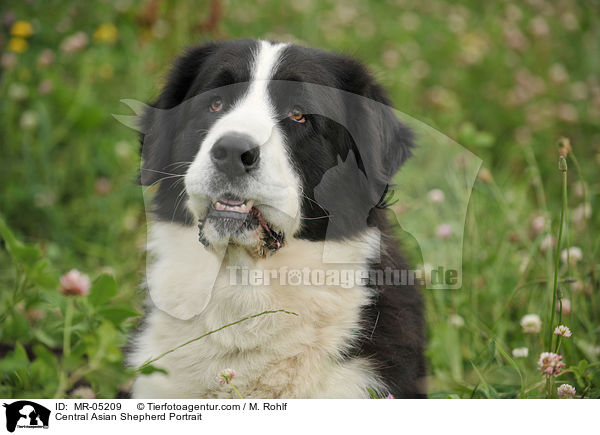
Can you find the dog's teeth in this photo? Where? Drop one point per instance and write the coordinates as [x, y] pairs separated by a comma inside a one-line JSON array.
[[222, 205]]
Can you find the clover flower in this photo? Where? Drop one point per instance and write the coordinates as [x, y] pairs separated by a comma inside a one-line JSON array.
[[83, 393], [550, 364], [566, 391], [572, 254], [531, 324], [46, 58], [456, 320], [74, 43], [563, 331], [444, 231], [29, 120], [566, 306], [547, 243], [45, 87], [74, 283], [225, 376], [436, 196], [582, 213], [538, 224], [8, 60], [520, 352]]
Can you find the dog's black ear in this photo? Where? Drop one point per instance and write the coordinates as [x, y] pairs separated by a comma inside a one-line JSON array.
[[159, 123], [384, 141], [395, 139]]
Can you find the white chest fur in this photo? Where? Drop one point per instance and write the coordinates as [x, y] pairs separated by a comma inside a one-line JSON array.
[[274, 355]]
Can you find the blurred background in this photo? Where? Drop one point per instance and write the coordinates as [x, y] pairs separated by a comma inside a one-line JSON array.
[[504, 79]]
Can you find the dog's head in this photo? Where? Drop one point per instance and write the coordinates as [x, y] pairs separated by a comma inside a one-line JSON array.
[[260, 142]]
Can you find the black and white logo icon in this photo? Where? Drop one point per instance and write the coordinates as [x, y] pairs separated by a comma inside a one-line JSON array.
[[25, 414]]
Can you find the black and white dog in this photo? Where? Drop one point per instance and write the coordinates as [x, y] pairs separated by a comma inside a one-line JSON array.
[[272, 159]]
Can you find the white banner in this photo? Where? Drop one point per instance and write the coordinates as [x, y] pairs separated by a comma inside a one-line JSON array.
[[291, 416]]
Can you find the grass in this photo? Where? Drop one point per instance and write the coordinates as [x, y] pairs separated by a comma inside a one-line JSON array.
[[503, 80]]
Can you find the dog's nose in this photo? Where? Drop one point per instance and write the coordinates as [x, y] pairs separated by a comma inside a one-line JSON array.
[[235, 154]]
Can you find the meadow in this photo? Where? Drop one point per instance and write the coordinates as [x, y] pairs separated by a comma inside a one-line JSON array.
[[517, 84]]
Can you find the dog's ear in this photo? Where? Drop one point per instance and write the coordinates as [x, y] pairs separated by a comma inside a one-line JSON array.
[[384, 142], [159, 123], [395, 139]]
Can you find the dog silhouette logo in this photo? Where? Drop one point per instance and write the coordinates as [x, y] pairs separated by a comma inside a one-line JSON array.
[[26, 414]]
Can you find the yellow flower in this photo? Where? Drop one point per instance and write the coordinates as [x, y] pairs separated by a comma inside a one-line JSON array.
[[18, 45], [22, 29], [106, 33]]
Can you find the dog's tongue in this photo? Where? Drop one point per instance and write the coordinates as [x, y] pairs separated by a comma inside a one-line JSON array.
[[272, 239]]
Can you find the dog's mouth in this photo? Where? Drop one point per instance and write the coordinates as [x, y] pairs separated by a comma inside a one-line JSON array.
[[233, 216], [230, 207]]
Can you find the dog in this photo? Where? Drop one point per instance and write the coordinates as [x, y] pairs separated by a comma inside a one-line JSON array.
[[274, 160]]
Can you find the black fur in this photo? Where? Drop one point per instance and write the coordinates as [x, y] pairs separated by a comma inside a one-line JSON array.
[[338, 203], [394, 332]]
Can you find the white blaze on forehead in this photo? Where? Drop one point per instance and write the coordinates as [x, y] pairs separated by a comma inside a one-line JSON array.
[[266, 59], [254, 113]]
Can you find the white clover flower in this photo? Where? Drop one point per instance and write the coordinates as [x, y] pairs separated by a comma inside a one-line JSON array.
[[582, 213], [18, 91], [29, 120], [577, 286], [444, 231], [456, 320], [566, 391], [74, 43], [436, 196], [531, 324], [225, 376], [520, 352], [566, 306], [547, 243], [550, 364], [572, 254], [83, 393], [563, 331], [538, 224]]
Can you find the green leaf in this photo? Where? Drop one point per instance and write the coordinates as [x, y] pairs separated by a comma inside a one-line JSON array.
[[15, 327], [8, 236], [15, 360], [28, 255], [44, 338], [370, 390], [42, 353], [483, 140], [149, 369], [41, 275], [117, 315], [103, 290]]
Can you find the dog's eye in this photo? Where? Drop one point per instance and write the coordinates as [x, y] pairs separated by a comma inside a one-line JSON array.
[[297, 115], [216, 104]]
